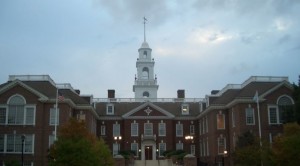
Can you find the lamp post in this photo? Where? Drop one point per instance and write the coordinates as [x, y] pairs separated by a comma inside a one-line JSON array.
[[117, 139], [23, 140], [189, 138], [224, 154]]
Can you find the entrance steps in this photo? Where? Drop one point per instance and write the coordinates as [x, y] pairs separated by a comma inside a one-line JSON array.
[[152, 163]]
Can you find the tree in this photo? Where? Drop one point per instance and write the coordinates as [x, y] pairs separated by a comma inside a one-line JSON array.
[[77, 146], [286, 148], [296, 97], [249, 152]]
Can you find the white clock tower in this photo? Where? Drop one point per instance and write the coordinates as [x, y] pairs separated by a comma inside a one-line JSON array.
[[145, 85]]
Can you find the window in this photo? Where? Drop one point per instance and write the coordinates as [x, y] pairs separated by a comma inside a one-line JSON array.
[[103, 132], [162, 129], [250, 116], [2, 115], [1, 142], [134, 129], [221, 145], [148, 129], [192, 129], [207, 149], [135, 148], [206, 124], [200, 127], [220, 121], [193, 149], [273, 115], [115, 149], [201, 148], [146, 94], [145, 73], [179, 130], [145, 54], [29, 115], [179, 146], [52, 120], [162, 149], [109, 109], [116, 130], [14, 143], [185, 109], [286, 109], [51, 139], [233, 117]]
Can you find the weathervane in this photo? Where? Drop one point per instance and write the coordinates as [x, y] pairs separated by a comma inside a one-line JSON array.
[[145, 28]]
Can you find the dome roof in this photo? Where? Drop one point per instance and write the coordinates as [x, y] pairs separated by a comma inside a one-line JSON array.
[[145, 45]]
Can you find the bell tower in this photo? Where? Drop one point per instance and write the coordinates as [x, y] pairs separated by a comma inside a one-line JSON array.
[[145, 85]]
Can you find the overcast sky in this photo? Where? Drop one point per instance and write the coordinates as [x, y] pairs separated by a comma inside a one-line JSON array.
[[198, 45]]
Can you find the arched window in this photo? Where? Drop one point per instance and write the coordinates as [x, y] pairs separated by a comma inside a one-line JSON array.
[[145, 73], [145, 54], [146, 94], [286, 109], [16, 106]]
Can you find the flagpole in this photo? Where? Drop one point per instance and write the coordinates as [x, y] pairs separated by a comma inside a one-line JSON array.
[[259, 126], [55, 125]]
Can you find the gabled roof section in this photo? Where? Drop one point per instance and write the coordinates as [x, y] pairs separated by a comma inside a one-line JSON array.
[[144, 107], [16, 82]]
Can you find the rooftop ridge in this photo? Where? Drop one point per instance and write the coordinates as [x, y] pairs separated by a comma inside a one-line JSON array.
[[31, 78], [250, 80]]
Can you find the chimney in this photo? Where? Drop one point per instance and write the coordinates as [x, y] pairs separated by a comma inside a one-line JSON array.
[[180, 93], [111, 93]]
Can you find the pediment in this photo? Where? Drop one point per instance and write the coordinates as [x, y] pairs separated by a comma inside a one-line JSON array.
[[148, 111], [20, 83]]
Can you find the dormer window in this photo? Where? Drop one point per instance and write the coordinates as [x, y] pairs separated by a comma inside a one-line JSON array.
[[185, 109], [110, 109]]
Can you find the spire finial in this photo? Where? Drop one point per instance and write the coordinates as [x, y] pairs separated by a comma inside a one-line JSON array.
[[145, 28]]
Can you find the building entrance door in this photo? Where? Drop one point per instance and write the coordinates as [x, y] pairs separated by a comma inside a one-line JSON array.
[[148, 152]]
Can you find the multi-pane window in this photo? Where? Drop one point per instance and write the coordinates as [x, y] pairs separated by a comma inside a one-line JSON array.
[[192, 129], [200, 127], [148, 129], [185, 109], [14, 143], [17, 112], [109, 109], [207, 149], [2, 115], [162, 149], [1, 142], [179, 146], [116, 130], [273, 115], [54, 118], [115, 149], [179, 130], [135, 148], [162, 129], [134, 129], [250, 116], [233, 116], [220, 121], [286, 109], [193, 149], [103, 130], [221, 145]]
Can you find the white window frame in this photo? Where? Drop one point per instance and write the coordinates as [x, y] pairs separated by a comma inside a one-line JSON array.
[[179, 130], [219, 145], [200, 127], [135, 147], [116, 130], [25, 116], [134, 129], [223, 117], [115, 149], [162, 129], [192, 129], [251, 117], [179, 146], [51, 140], [148, 129], [5, 116], [185, 109], [277, 115], [193, 149], [52, 116], [103, 130], [108, 111], [162, 148], [233, 116], [17, 137]]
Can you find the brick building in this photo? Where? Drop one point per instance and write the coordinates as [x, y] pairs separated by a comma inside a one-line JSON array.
[[145, 124]]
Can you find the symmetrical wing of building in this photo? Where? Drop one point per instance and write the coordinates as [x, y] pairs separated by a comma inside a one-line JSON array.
[[145, 124]]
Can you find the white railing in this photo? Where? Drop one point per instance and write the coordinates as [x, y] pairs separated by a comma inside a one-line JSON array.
[[128, 100]]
